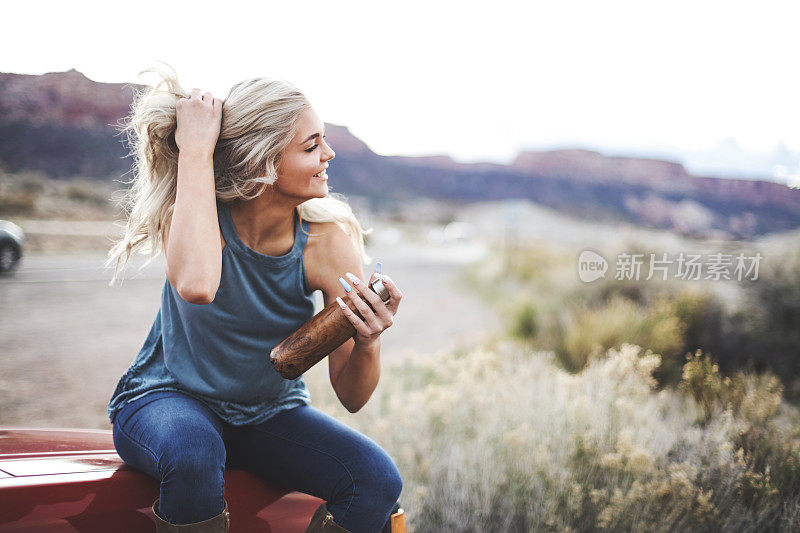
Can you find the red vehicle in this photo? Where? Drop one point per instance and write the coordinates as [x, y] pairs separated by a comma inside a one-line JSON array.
[[73, 480]]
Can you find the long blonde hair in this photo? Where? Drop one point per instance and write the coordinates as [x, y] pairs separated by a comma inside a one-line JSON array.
[[259, 117]]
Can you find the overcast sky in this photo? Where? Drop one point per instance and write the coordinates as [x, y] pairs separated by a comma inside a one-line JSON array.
[[477, 81]]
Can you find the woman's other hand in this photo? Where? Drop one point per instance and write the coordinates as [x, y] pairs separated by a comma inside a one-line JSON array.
[[375, 322], [199, 119]]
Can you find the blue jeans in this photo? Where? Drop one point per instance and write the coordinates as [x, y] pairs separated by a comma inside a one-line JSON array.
[[179, 441]]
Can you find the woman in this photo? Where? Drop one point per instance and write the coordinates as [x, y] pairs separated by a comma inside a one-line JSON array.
[[236, 196]]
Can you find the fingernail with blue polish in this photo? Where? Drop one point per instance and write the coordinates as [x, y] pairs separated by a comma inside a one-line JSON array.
[[344, 284]]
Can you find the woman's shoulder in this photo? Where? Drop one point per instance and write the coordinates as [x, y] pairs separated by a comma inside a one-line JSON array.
[[328, 253], [326, 239], [323, 234]]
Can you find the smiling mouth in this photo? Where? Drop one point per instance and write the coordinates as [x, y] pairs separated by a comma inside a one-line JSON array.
[[321, 175]]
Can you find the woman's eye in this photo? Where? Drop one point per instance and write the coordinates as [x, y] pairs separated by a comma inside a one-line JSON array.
[[313, 147]]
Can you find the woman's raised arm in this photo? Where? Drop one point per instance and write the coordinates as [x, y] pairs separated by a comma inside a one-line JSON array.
[[194, 248]]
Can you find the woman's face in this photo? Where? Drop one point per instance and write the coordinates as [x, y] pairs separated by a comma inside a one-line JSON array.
[[305, 159]]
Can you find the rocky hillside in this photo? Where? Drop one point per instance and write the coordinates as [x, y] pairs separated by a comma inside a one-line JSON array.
[[63, 125]]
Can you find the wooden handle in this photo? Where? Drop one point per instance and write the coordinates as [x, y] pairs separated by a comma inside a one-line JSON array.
[[315, 339], [323, 333]]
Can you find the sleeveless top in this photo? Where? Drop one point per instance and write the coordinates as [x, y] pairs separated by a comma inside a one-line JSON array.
[[219, 353]]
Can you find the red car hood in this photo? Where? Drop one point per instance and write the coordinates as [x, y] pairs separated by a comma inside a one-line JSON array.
[[27, 441], [73, 480], [31, 452]]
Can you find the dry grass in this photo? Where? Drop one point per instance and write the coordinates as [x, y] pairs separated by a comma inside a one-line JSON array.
[[503, 439]]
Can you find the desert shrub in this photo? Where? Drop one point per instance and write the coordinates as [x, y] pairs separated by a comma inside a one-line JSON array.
[[702, 380], [18, 194], [525, 323], [528, 264], [770, 318], [591, 331], [636, 291], [551, 311], [31, 183], [503, 439], [15, 202], [87, 192], [761, 334]]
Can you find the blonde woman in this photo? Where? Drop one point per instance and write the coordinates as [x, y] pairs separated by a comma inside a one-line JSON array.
[[235, 194]]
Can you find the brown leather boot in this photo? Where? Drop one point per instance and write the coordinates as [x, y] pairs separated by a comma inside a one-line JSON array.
[[322, 522], [217, 524]]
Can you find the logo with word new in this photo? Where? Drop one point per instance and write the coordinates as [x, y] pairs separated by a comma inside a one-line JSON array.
[[591, 266]]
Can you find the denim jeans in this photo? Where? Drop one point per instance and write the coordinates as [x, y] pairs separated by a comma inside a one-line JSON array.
[[177, 440]]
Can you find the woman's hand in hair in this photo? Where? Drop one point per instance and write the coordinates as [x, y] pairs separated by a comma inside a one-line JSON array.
[[199, 119]]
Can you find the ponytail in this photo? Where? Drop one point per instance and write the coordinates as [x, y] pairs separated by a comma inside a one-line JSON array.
[[149, 202]]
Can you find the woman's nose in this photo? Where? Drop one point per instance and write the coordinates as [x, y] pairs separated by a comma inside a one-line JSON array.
[[329, 153]]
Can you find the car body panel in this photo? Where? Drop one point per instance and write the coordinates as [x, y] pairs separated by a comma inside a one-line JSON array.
[[11, 231], [73, 480], [15, 440]]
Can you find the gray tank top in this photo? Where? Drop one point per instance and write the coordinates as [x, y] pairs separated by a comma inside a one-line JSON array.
[[219, 353]]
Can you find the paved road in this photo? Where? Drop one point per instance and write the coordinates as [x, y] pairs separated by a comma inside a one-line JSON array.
[[66, 336]]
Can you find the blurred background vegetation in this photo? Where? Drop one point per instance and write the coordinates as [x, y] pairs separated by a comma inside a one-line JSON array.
[[755, 329], [610, 406]]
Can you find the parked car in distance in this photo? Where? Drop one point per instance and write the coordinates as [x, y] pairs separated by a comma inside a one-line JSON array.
[[54, 480], [12, 241]]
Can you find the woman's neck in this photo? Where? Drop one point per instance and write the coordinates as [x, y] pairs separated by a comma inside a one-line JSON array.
[[265, 223]]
